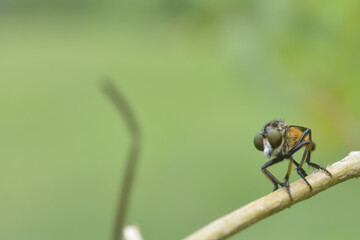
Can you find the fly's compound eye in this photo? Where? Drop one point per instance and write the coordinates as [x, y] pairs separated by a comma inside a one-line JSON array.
[[258, 142], [274, 138]]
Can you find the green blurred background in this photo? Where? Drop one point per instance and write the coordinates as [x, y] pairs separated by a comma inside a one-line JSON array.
[[203, 77]]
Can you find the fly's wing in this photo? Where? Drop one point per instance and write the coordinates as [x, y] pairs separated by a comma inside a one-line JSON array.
[[295, 134]]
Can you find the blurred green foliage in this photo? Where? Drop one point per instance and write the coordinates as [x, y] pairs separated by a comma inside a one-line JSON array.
[[203, 78]]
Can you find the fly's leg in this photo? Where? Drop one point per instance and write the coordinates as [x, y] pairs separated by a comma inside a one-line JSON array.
[[271, 177], [319, 167], [287, 178], [300, 169], [314, 164], [306, 155]]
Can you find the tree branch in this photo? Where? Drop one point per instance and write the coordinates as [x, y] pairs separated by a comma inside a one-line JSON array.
[[277, 201]]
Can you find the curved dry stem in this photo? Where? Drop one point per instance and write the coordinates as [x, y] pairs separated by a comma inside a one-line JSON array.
[[277, 201], [132, 124]]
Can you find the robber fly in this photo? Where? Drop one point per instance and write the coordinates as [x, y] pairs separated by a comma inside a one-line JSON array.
[[280, 140]]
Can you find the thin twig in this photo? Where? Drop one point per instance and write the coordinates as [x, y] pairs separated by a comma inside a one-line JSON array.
[[277, 201], [124, 109]]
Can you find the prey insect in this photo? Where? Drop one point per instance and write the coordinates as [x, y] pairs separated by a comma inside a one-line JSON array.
[[280, 140]]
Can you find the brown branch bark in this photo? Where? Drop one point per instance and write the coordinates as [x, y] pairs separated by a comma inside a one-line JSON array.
[[277, 201]]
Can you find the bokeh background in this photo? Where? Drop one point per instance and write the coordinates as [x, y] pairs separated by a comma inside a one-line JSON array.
[[203, 77]]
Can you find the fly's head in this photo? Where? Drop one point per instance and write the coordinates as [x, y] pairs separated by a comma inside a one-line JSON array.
[[271, 138]]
